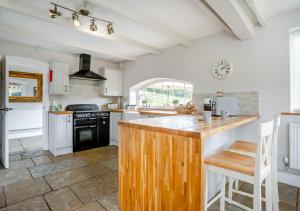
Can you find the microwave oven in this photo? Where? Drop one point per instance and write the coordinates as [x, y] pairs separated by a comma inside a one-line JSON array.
[[229, 104]]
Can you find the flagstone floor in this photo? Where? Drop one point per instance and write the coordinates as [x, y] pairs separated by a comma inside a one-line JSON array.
[[86, 180]]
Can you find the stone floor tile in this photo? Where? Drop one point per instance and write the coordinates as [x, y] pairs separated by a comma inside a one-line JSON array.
[[88, 191], [285, 207], [58, 166], [21, 164], [32, 153], [108, 182], [298, 204], [96, 170], [16, 156], [8, 176], [2, 198], [288, 194], [94, 206], [110, 202], [63, 200], [98, 154], [66, 178], [94, 188], [21, 191], [111, 164], [33, 204], [42, 160]]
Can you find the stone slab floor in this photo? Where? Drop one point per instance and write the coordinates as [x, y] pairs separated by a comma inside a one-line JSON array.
[[83, 181]]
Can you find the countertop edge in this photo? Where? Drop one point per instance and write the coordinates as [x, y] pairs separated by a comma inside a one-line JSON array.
[[194, 134]]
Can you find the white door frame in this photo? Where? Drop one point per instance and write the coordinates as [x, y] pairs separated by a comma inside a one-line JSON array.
[[34, 66]]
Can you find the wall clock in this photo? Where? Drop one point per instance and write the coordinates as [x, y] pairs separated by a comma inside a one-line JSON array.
[[222, 69]]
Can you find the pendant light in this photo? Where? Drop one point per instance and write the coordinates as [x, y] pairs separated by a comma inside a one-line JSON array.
[[54, 13], [110, 28], [93, 26], [75, 19]]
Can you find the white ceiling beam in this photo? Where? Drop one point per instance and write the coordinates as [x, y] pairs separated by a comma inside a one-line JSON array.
[[139, 18], [24, 9], [234, 16], [61, 40], [210, 13], [253, 4]]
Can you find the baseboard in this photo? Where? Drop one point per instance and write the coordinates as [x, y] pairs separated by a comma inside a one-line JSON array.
[[12, 134], [289, 179]]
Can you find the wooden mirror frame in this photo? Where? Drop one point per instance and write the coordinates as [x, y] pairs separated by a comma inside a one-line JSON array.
[[27, 99]]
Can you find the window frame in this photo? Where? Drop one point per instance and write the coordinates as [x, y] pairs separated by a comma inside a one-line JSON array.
[[134, 90], [293, 81]]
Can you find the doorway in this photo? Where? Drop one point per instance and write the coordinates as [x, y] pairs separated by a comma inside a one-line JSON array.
[[26, 123]]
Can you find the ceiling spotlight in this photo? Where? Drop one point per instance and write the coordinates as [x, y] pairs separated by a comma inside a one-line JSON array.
[[93, 26], [75, 19], [54, 13], [110, 28]]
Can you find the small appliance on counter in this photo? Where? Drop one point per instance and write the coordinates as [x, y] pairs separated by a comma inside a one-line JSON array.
[[90, 126], [228, 104], [112, 106]]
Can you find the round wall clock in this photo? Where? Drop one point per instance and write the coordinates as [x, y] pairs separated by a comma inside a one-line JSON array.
[[222, 69]]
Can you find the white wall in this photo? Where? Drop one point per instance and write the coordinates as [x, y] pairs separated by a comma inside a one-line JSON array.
[[260, 64]]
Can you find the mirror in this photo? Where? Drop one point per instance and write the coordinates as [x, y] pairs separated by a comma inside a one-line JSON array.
[[25, 87]]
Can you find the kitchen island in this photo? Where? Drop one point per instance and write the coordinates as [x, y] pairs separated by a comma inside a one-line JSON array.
[[161, 160]]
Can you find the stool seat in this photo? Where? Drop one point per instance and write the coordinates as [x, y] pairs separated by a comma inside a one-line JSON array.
[[243, 146], [232, 161]]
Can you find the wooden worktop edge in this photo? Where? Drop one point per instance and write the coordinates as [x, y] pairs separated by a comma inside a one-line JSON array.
[[60, 112]]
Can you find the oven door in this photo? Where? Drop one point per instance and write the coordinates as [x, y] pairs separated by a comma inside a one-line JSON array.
[[85, 137]]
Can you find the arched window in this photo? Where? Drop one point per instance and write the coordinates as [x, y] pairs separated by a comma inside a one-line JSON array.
[[161, 92]]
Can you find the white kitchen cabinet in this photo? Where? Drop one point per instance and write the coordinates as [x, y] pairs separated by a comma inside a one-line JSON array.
[[60, 133], [60, 78], [115, 117], [113, 86]]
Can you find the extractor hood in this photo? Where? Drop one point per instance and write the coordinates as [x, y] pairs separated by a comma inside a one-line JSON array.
[[84, 72]]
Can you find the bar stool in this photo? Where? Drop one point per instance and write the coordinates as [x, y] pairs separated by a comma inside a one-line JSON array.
[[249, 148], [254, 170]]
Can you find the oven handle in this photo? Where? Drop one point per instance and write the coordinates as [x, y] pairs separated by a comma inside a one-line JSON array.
[[77, 127], [86, 119]]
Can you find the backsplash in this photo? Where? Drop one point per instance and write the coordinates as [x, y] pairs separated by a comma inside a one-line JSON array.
[[83, 92], [249, 101]]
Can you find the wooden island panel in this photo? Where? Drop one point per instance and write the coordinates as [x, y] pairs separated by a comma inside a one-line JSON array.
[[159, 171], [161, 161]]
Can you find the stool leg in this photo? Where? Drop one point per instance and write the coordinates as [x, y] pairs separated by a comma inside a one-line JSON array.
[[206, 188], [236, 184], [222, 199], [275, 195], [231, 181], [257, 196], [269, 193]]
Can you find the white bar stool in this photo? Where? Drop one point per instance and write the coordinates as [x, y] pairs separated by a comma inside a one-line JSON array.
[[249, 148], [254, 170]]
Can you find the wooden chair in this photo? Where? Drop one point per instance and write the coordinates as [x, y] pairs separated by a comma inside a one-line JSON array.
[[249, 148], [254, 170]]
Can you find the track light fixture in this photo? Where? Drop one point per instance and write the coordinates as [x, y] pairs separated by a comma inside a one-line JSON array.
[[93, 26], [110, 28], [53, 13], [75, 19]]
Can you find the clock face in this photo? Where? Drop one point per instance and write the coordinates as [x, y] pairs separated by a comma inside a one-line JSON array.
[[222, 69]]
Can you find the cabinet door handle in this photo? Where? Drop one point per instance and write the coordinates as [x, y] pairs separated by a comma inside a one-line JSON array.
[[105, 90], [66, 88]]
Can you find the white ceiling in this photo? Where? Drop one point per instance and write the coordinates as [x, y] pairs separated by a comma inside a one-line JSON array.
[[141, 26]]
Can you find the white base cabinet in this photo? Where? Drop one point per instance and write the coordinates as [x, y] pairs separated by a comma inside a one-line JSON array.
[[115, 117], [60, 134]]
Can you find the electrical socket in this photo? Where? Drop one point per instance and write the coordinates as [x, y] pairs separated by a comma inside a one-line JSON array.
[[286, 161]]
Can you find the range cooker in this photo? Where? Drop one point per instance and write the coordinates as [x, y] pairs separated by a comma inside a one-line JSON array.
[[90, 126]]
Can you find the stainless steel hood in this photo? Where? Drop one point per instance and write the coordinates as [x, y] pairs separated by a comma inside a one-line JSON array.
[[84, 72]]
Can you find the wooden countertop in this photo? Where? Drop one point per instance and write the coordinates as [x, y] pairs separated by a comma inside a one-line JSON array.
[[189, 125], [60, 112], [291, 113], [148, 112], [120, 110]]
